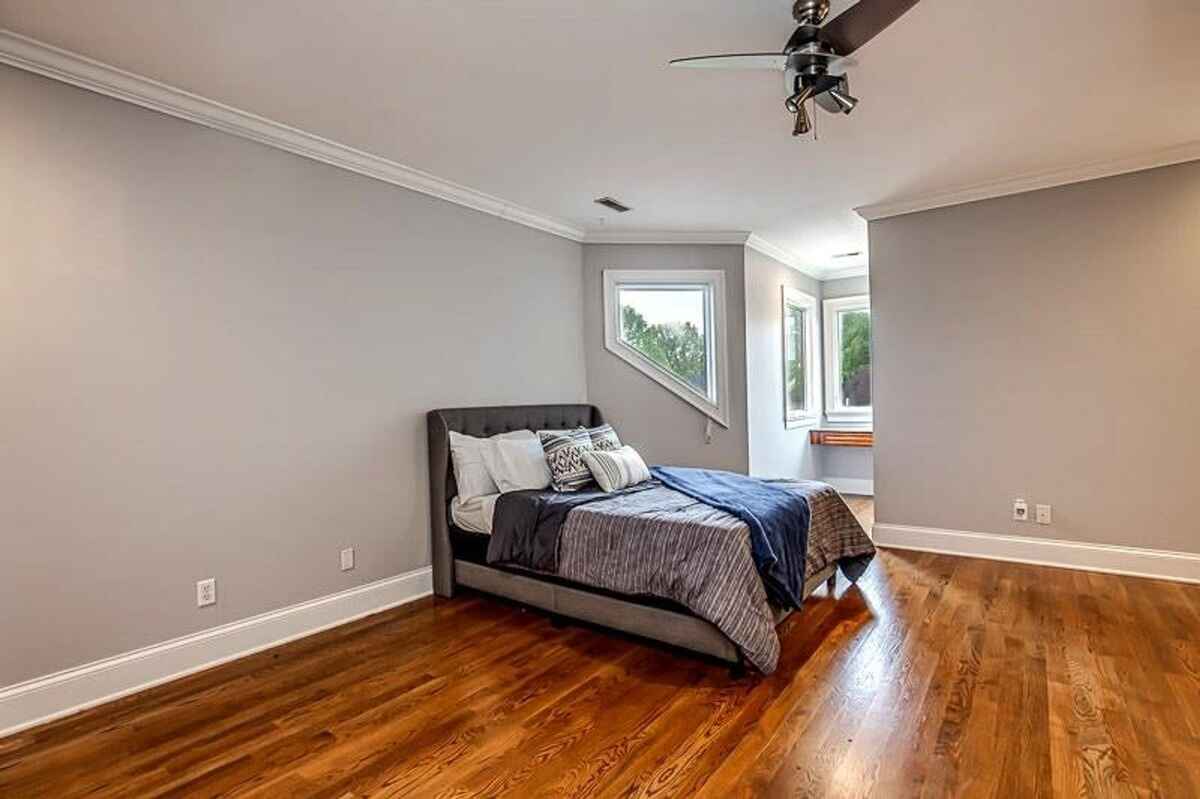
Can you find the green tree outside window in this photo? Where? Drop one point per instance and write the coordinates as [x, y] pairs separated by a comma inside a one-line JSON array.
[[797, 379], [677, 347], [856, 358]]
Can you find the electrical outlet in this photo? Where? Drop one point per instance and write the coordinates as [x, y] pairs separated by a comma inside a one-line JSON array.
[[1020, 510], [1044, 514], [347, 559], [206, 592]]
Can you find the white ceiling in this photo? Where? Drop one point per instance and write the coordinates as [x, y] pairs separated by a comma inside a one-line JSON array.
[[551, 103]]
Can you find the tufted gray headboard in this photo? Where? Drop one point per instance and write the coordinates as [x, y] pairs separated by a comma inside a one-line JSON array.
[[481, 422]]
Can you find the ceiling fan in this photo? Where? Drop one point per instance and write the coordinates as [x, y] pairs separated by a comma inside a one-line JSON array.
[[814, 59]]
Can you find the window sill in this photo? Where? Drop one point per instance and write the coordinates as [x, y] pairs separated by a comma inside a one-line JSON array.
[[860, 427], [803, 421], [848, 418], [669, 382], [826, 437]]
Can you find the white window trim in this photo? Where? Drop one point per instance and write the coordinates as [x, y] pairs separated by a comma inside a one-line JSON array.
[[835, 411], [716, 405], [812, 366]]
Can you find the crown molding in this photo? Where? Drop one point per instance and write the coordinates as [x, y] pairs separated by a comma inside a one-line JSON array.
[[785, 257], [737, 237], [1032, 181], [788, 258], [52, 62], [836, 273]]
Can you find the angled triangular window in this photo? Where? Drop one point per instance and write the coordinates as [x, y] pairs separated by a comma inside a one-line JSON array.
[[670, 325]]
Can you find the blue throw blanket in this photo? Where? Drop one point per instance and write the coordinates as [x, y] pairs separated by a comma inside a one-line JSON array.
[[778, 520]]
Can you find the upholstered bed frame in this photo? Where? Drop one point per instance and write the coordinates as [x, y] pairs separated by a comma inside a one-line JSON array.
[[646, 619]]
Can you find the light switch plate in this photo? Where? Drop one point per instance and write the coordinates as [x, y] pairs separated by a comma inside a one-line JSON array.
[[347, 559]]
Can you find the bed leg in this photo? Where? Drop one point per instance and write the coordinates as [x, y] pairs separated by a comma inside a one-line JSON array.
[[831, 583], [737, 669]]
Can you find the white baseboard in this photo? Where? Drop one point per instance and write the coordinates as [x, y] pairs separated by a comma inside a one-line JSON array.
[[56, 695], [851, 485], [1132, 561]]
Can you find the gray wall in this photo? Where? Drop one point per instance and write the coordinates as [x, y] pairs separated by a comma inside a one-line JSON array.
[[845, 287], [1044, 345], [845, 463], [841, 464], [775, 451], [215, 361], [663, 427]]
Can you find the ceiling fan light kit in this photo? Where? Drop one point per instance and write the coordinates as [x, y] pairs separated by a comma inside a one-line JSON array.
[[815, 57]]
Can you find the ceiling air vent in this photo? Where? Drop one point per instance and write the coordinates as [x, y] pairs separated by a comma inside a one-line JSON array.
[[612, 205], [854, 254]]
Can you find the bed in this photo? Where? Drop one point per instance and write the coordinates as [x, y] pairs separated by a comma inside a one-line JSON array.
[[736, 627]]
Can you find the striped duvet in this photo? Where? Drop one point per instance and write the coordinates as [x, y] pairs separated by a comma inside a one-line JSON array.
[[661, 543]]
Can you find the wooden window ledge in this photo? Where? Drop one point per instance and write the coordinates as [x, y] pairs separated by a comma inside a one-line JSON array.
[[842, 438]]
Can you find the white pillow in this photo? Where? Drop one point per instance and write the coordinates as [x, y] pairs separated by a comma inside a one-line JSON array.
[[470, 473], [618, 468], [516, 463]]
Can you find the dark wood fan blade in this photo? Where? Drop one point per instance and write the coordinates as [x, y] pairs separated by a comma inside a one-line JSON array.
[[861, 23], [773, 61]]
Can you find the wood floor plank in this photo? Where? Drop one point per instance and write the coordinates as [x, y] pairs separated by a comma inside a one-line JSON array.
[[935, 676]]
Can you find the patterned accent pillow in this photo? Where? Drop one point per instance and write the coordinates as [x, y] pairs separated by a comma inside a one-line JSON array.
[[604, 438], [620, 468], [564, 453]]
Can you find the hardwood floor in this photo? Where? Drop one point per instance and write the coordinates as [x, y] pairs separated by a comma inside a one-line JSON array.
[[939, 676]]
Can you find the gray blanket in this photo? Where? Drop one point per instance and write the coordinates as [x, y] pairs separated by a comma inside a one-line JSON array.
[[527, 525], [661, 543]]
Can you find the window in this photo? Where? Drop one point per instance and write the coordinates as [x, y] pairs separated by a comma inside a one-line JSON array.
[[670, 325], [677, 338], [848, 359], [801, 380]]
